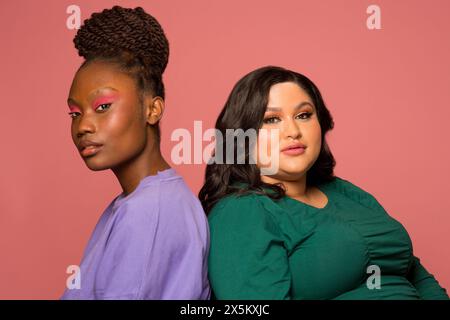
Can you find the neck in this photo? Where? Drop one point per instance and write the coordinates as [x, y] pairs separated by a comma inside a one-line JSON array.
[[147, 163], [296, 189]]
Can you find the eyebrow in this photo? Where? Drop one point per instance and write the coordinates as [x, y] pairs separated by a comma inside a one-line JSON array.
[[93, 93], [304, 103]]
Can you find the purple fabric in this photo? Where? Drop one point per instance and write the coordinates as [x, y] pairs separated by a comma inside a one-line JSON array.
[[151, 244]]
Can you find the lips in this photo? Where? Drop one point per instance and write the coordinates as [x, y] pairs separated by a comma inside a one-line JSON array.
[[88, 147], [294, 146], [294, 149]]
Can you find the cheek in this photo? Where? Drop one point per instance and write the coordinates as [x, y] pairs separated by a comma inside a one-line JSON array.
[[116, 124], [313, 136], [262, 141], [122, 130], [73, 132], [268, 145]]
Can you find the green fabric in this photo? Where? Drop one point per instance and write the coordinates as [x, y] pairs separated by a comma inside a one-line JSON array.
[[286, 249]]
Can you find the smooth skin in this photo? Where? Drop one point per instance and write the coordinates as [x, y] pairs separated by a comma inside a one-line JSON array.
[[105, 108], [292, 112]]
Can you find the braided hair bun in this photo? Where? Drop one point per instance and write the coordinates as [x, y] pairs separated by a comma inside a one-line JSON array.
[[130, 37]]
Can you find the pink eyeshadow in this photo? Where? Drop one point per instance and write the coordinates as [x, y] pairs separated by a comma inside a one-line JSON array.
[[74, 108], [104, 100]]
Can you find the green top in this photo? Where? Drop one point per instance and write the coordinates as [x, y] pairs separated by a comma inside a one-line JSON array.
[[286, 249]]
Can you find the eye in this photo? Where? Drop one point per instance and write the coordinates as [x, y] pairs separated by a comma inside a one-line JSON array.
[[305, 115], [271, 120], [103, 107], [73, 114]]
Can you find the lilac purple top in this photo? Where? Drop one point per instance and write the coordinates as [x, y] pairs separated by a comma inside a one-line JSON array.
[[151, 244]]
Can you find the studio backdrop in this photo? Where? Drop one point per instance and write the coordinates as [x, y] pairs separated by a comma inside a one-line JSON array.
[[382, 66]]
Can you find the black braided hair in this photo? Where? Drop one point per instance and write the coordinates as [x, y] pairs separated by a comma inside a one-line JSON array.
[[132, 39]]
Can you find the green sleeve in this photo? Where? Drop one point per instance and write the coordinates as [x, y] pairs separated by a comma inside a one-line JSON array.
[[425, 283], [422, 280], [247, 259]]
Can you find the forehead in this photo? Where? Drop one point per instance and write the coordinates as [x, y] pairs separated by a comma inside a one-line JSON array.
[[287, 94], [100, 74]]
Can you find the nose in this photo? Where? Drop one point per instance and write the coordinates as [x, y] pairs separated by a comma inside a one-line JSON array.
[[85, 125], [291, 129]]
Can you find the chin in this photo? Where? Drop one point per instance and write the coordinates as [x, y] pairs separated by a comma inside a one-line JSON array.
[[293, 168], [294, 174], [96, 166]]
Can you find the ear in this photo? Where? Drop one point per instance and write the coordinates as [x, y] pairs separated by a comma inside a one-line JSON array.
[[154, 109]]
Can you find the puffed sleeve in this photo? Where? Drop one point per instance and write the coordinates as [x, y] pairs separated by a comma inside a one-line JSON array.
[[425, 283], [248, 257]]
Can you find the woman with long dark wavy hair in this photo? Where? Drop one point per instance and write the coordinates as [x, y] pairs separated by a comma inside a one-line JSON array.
[[300, 232]]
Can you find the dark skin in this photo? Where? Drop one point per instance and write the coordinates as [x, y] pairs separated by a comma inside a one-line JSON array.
[[105, 109]]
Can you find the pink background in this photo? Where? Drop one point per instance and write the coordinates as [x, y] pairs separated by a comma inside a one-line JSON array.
[[388, 91]]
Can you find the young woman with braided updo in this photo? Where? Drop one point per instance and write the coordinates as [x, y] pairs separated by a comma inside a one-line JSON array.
[[145, 245]]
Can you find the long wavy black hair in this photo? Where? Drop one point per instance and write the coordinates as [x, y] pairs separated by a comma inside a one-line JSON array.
[[245, 109]]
